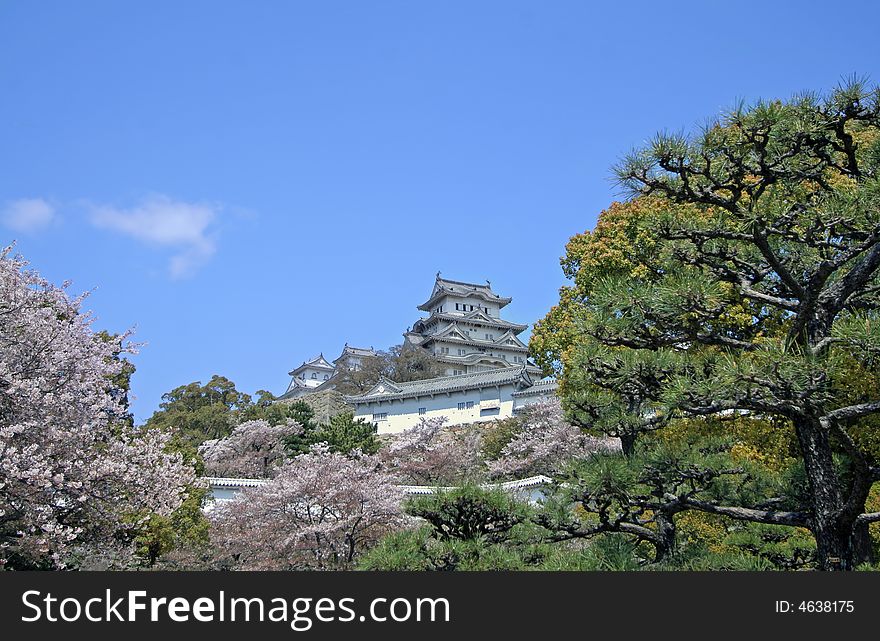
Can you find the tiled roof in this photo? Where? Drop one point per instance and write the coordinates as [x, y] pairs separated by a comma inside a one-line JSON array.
[[500, 376], [452, 334], [300, 388], [470, 318], [445, 286], [216, 481], [519, 484], [348, 350], [318, 362], [473, 358], [540, 387]]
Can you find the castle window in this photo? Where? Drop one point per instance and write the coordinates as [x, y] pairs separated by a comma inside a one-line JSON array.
[[462, 352], [461, 406], [423, 411], [470, 405], [326, 377], [380, 417], [456, 372], [314, 376]]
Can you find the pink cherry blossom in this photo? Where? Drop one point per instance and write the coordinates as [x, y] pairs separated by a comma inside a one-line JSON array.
[[254, 449], [431, 454], [546, 443], [70, 471], [319, 512]]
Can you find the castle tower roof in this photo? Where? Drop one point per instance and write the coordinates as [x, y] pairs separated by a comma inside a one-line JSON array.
[[446, 287], [318, 362]]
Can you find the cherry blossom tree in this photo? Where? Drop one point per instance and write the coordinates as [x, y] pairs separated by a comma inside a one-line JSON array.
[[319, 512], [72, 472], [254, 449], [431, 454], [546, 443]]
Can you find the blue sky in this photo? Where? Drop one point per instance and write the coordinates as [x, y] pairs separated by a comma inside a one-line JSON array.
[[250, 183]]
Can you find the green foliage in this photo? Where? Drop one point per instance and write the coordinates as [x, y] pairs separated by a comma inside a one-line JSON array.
[[782, 547], [268, 409], [741, 279], [469, 513], [186, 527], [120, 383], [342, 434], [419, 550], [496, 435], [196, 412], [345, 434], [304, 415], [469, 528]]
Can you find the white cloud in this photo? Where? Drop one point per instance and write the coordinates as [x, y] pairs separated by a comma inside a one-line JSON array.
[[27, 215], [162, 222]]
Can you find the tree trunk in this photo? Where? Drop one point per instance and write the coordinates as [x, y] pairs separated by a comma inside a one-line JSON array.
[[863, 546], [628, 443], [833, 533], [664, 544]]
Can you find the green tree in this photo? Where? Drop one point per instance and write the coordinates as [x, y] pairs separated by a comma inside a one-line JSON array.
[[759, 293], [344, 434], [185, 528], [303, 414], [197, 412], [267, 408], [120, 383], [469, 528]]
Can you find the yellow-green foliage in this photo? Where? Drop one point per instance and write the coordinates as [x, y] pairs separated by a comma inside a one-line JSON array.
[[769, 443], [186, 526], [496, 435]]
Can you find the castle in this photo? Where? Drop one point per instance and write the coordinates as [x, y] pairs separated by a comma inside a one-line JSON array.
[[488, 373], [465, 331], [316, 374]]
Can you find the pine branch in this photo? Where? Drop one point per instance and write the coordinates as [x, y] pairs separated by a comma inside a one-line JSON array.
[[772, 517]]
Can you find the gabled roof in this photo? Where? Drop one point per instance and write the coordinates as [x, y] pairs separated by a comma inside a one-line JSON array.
[[413, 338], [546, 386], [474, 358], [471, 317], [446, 287], [452, 331], [384, 386], [476, 380], [510, 336], [295, 385], [454, 334], [479, 316], [359, 352], [318, 362]]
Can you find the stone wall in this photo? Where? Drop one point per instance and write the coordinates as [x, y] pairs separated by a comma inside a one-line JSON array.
[[325, 404]]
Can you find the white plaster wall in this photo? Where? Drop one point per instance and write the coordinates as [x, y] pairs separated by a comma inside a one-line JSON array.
[[404, 414], [309, 381]]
